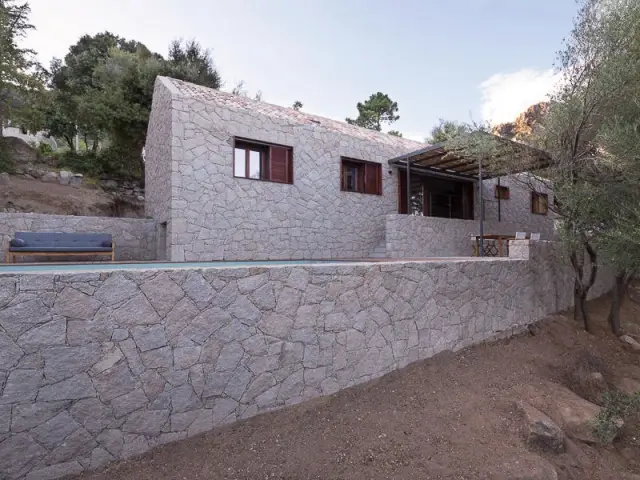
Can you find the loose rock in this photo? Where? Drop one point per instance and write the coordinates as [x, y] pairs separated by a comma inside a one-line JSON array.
[[542, 432], [631, 342]]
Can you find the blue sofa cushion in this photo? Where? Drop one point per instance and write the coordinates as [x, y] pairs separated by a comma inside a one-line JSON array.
[[62, 242], [17, 242], [61, 249]]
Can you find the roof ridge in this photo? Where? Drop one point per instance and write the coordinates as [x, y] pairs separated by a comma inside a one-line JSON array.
[[187, 89]]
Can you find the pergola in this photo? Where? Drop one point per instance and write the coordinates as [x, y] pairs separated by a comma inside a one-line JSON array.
[[439, 161]]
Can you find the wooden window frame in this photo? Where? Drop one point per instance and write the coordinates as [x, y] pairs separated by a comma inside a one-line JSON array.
[[264, 149], [534, 201], [361, 164], [501, 192]]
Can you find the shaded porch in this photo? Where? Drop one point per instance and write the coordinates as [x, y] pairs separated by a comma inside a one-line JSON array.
[[436, 182]]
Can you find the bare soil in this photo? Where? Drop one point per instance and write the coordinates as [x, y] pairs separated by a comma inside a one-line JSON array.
[[35, 196], [450, 417]]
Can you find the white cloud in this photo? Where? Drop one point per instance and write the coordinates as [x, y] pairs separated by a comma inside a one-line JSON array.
[[506, 95]]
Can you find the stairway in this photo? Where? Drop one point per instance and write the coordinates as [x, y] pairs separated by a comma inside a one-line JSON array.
[[380, 251]]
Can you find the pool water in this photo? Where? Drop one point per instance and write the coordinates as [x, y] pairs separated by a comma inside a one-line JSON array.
[[108, 267]]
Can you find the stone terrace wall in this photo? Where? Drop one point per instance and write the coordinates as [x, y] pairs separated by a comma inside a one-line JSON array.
[[102, 366], [135, 238], [409, 236]]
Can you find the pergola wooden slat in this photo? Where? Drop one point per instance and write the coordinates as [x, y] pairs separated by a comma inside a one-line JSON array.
[[437, 161]]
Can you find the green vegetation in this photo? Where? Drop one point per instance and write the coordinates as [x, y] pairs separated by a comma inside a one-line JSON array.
[[375, 111], [591, 130], [446, 130], [99, 93], [617, 406]]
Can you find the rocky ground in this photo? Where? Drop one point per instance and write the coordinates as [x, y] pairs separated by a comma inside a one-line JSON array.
[[19, 193], [518, 409]]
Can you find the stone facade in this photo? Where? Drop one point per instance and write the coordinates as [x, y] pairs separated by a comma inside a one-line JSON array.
[[214, 216], [158, 156], [135, 238], [416, 236], [517, 209], [103, 366], [211, 215]]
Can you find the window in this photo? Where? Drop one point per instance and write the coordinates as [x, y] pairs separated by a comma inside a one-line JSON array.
[[359, 176], [539, 203], [262, 161], [502, 192]]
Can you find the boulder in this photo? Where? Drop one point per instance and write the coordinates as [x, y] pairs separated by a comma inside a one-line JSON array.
[[575, 415], [632, 342], [76, 179], [541, 431], [65, 177], [49, 177], [5, 179], [628, 386], [109, 184], [530, 467]]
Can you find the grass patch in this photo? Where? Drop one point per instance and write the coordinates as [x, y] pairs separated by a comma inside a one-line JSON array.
[[616, 406]]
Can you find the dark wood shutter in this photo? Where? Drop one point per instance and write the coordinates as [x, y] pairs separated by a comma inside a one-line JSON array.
[[402, 192], [371, 178], [280, 168]]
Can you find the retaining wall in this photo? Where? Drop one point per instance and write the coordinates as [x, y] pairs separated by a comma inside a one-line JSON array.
[[411, 236], [135, 237], [103, 366]]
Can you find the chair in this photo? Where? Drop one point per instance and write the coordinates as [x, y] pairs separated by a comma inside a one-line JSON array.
[[521, 235], [535, 236]]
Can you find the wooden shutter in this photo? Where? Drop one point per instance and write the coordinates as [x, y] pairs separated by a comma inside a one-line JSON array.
[[402, 193], [280, 169], [371, 178]]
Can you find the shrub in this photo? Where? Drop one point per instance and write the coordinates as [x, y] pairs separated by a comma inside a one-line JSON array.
[[616, 406], [45, 149], [6, 161], [86, 163], [111, 162]]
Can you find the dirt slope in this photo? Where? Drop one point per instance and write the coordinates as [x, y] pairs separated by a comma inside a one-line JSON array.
[[451, 417], [35, 196]]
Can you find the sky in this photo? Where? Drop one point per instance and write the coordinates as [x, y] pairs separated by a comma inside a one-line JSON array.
[[464, 60]]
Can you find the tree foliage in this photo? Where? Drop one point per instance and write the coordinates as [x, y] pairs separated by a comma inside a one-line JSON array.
[[447, 130], [20, 78], [395, 133], [375, 111], [297, 105], [590, 133], [103, 89]]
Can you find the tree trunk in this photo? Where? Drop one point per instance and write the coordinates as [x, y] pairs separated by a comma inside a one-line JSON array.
[[94, 147], [583, 312], [577, 316], [69, 141], [618, 294]]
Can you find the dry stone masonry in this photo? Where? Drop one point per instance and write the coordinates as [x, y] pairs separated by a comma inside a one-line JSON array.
[[409, 236], [211, 215], [96, 367], [135, 238]]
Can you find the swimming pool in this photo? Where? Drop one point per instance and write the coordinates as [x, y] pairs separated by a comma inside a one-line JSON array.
[[109, 267]]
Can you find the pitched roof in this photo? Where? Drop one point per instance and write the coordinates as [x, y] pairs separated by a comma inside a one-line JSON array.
[[237, 102]]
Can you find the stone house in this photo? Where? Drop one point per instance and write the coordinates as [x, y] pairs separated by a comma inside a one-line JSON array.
[[230, 178]]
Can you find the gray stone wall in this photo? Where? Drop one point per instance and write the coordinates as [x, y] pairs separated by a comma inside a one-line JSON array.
[[411, 236], [158, 155], [135, 237], [215, 216], [517, 209], [158, 163], [103, 366]]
